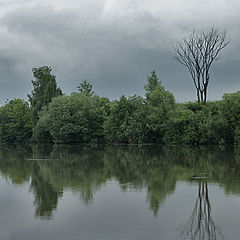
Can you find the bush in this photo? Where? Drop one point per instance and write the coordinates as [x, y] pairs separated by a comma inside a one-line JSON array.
[[15, 122], [126, 122], [77, 118]]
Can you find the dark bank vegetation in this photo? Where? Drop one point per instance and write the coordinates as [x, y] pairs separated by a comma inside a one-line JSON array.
[[84, 117]]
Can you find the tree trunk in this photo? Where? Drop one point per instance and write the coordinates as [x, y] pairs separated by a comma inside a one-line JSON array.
[[205, 96], [198, 96], [201, 92]]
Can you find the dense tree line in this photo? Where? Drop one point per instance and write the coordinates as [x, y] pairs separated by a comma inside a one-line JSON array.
[[84, 117]]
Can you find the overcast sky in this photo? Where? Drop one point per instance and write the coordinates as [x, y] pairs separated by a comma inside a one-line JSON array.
[[114, 44]]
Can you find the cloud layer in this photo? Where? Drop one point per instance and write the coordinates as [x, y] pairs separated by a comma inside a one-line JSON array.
[[114, 44]]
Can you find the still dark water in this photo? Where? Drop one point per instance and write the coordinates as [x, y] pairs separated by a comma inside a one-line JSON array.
[[119, 193]]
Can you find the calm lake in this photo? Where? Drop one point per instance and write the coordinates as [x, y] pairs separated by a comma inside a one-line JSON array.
[[119, 193]]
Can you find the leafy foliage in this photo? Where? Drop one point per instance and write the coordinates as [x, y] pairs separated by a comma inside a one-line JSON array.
[[15, 122], [74, 118], [230, 111], [44, 90], [85, 87], [161, 105], [126, 123], [152, 83]]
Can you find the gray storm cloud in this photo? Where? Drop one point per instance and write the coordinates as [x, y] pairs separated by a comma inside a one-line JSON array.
[[114, 44]]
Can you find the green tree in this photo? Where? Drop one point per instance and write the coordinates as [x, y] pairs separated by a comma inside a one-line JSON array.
[[15, 122], [152, 83], [41, 132], [160, 104], [85, 87], [75, 118], [44, 90], [196, 124], [230, 114], [125, 123], [179, 129]]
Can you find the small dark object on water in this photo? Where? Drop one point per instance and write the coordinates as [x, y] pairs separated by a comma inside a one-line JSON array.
[[200, 176], [42, 159]]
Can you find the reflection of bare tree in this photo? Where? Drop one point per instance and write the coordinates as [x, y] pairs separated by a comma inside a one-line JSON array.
[[201, 225]]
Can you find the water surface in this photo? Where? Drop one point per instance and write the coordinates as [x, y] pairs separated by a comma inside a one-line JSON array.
[[120, 192]]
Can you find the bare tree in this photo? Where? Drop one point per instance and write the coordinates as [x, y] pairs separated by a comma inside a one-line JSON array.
[[197, 53]]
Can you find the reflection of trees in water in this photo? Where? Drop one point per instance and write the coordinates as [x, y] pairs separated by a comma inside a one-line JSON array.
[[84, 169], [13, 165], [144, 168], [45, 195], [201, 224], [80, 168], [159, 188], [75, 169]]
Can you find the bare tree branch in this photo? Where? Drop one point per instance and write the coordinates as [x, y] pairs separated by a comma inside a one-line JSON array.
[[197, 53]]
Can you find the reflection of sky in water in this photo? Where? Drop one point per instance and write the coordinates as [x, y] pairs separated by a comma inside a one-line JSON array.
[[113, 214]]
